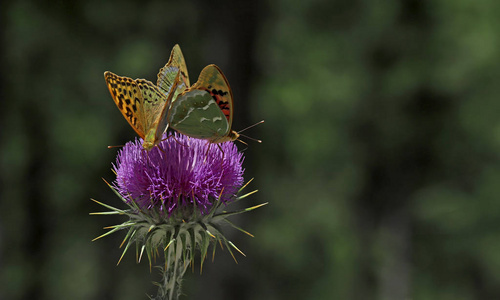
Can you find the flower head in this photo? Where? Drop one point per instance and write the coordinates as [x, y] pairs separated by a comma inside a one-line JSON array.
[[178, 172]]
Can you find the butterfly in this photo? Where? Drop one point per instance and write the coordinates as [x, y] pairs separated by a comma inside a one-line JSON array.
[[205, 110], [144, 105]]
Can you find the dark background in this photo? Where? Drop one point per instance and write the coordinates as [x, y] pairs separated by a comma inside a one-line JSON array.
[[380, 155]]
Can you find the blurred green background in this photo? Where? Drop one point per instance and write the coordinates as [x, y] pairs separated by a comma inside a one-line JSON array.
[[380, 155]]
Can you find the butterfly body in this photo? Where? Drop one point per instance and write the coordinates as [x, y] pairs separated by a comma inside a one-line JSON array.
[[205, 110]]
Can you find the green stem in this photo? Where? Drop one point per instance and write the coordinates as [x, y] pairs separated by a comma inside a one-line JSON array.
[[170, 288]]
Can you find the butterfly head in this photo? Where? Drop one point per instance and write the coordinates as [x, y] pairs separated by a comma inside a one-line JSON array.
[[233, 135], [148, 145]]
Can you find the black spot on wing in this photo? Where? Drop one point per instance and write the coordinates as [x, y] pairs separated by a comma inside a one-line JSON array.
[[218, 96], [219, 92], [129, 115], [120, 101]]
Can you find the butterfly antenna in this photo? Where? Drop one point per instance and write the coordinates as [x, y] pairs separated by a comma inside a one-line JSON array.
[[250, 138], [118, 146], [251, 126]]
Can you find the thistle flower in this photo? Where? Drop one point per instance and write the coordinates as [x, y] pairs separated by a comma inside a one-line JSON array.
[[175, 193], [177, 172]]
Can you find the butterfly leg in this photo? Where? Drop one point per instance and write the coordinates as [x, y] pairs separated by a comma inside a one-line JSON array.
[[168, 137], [162, 151], [178, 141], [223, 154], [145, 154], [206, 154]]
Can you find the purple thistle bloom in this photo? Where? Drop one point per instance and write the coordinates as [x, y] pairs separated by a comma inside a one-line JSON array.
[[181, 171]]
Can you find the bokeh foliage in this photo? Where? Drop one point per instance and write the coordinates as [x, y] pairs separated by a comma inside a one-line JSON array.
[[379, 157]]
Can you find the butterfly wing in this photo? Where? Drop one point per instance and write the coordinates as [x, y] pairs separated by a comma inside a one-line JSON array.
[[153, 102], [196, 114], [213, 81], [205, 110], [128, 98], [168, 73], [140, 102], [161, 123]]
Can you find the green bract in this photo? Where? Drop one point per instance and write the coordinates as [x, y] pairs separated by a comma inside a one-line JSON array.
[[176, 237]]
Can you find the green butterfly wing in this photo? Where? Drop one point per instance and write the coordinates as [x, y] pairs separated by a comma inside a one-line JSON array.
[[162, 122], [205, 110], [168, 74], [196, 114]]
